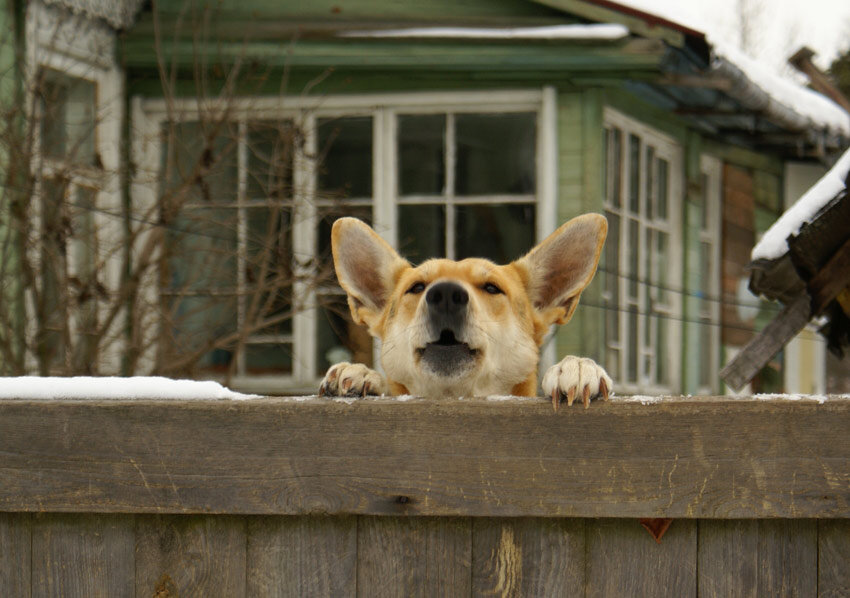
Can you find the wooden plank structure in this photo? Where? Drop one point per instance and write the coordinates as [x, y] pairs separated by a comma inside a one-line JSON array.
[[811, 279], [390, 497]]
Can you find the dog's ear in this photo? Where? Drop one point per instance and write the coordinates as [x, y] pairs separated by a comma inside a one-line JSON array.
[[367, 268], [560, 267]]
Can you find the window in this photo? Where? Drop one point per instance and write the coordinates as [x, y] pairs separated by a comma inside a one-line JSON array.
[[468, 182], [641, 269], [264, 189], [68, 176]]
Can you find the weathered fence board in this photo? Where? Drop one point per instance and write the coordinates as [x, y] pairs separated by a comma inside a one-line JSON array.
[[15, 555], [190, 556], [710, 458], [528, 557], [834, 558], [82, 555], [788, 553], [621, 562], [728, 558], [414, 556], [302, 556]]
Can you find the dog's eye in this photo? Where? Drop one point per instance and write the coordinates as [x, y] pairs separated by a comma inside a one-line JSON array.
[[417, 288], [493, 289]]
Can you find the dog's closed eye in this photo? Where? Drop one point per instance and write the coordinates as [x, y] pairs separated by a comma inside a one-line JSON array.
[[493, 289]]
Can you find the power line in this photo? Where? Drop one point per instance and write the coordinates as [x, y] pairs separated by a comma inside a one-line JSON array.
[[263, 246]]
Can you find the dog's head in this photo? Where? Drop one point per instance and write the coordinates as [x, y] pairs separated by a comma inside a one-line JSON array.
[[465, 328]]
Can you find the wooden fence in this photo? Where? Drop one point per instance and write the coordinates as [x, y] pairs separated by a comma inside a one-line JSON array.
[[317, 497]]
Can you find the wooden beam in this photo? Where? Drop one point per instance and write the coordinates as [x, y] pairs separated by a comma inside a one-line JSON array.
[[830, 280], [755, 354], [676, 457], [410, 54]]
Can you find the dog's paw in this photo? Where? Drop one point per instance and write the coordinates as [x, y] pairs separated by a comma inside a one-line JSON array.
[[352, 380], [575, 376]]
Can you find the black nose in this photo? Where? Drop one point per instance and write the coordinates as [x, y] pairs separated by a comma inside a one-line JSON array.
[[447, 298]]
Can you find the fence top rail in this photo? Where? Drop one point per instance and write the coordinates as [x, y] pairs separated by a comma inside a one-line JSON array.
[[708, 457]]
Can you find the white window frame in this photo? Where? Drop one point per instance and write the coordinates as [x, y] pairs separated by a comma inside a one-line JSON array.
[[150, 114], [711, 169], [81, 48], [668, 149]]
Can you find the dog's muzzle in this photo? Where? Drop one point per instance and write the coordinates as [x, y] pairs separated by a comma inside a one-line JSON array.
[[447, 315]]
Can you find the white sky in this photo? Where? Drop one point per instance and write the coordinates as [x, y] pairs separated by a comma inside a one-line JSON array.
[[780, 26]]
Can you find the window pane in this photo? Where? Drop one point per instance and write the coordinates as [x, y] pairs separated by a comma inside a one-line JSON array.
[[51, 346], [421, 154], [649, 181], [201, 249], [68, 122], [634, 256], [661, 197], [199, 164], [84, 251], [612, 278], [345, 157], [705, 201], [268, 270], [704, 350], [662, 351], [501, 233], [340, 339], [633, 345], [196, 322], [421, 232], [662, 266], [268, 358], [634, 174], [495, 153], [615, 163], [270, 146]]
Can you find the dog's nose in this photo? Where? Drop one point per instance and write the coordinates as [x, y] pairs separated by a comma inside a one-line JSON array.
[[447, 297]]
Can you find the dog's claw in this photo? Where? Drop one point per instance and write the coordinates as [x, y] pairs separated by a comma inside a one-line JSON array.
[[585, 396], [571, 396], [603, 389], [556, 399]]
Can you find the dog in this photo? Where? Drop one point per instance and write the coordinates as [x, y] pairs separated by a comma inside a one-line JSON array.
[[469, 327]]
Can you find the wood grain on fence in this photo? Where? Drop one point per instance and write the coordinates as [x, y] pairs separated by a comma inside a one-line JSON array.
[[276, 497], [696, 458]]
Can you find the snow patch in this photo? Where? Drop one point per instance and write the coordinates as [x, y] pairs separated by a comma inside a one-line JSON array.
[[112, 387], [642, 399], [774, 243], [602, 31]]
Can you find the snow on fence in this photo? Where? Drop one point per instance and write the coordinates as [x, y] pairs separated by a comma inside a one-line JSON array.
[[310, 496]]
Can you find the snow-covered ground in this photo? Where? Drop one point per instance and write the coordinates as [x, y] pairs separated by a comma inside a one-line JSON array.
[[774, 243]]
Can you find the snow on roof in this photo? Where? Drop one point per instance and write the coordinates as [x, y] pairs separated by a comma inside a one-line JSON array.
[[135, 387], [599, 31], [820, 111], [774, 243], [817, 109]]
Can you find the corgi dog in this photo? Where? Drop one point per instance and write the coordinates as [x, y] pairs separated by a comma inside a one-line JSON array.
[[469, 327]]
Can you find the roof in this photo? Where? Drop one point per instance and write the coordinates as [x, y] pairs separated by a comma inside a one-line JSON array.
[[834, 184], [753, 86]]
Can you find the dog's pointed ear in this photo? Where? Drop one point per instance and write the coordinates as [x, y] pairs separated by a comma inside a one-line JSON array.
[[560, 267], [367, 268]]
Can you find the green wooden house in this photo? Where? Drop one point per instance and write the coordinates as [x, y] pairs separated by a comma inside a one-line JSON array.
[[234, 133]]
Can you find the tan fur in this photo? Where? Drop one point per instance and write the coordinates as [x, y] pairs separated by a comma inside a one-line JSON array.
[[504, 329]]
